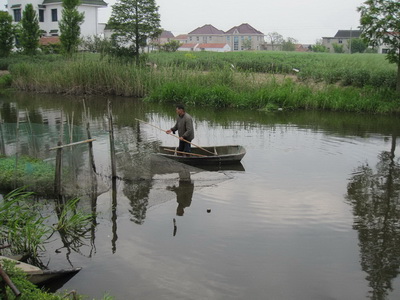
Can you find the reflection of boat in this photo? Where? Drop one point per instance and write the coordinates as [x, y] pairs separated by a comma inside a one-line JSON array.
[[214, 155], [39, 276]]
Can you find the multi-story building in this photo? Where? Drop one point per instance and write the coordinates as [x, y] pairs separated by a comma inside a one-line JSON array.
[[49, 14], [244, 37], [342, 37], [238, 38]]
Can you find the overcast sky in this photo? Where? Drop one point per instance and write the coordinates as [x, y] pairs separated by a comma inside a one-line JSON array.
[[304, 20]]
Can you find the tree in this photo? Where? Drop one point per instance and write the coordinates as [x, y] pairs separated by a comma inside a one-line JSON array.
[[318, 47], [275, 39], [29, 32], [6, 34], [70, 27], [289, 44], [171, 46], [357, 45], [338, 48], [380, 25], [246, 44], [134, 22]]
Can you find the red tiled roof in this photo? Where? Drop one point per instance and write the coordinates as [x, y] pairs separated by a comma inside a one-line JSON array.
[[181, 37], [244, 29], [45, 40], [206, 29], [221, 45], [188, 46]]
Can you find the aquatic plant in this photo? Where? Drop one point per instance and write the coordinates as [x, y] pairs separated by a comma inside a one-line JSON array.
[[21, 224], [25, 228]]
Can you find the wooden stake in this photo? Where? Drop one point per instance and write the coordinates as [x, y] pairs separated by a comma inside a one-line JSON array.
[[72, 144]]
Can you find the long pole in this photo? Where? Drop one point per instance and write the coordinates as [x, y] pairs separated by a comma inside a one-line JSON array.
[[176, 136]]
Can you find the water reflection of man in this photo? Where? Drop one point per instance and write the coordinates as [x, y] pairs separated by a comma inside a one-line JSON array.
[[184, 193]]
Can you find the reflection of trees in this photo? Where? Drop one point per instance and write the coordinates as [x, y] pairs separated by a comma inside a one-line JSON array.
[[375, 201], [138, 194]]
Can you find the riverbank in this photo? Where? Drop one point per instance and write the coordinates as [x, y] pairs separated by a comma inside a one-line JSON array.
[[259, 80]]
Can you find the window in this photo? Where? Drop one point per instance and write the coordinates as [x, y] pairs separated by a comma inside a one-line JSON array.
[[54, 32], [228, 39], [41, 15], [236, 43], [54, 15], [340, 41], [17, 15]]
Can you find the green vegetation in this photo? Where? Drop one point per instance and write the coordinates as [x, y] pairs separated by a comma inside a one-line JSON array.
[[70, 26], [133, 23], [38, 174], [251, 80], [29, 30], [24, 227], [380, 25], [6, 34]]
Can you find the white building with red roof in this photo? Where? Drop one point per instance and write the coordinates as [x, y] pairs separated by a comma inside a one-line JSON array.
[[238, 38], [214, 47]]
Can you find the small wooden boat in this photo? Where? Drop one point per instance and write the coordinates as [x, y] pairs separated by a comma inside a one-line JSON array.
[[38, 276], [212, 155]]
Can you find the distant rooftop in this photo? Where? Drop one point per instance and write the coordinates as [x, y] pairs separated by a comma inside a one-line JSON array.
[[87, 2], [348, 34], [244, 29], [206, 29]]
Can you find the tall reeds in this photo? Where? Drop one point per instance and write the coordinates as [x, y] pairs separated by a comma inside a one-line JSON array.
[[256, 80]]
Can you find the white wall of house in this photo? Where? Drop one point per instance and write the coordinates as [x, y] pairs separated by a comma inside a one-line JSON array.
[[205, 39], [329, 41], [52, 14], [237, 41], [225, 48]]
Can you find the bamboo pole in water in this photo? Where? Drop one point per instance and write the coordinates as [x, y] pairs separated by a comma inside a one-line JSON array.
[[112, 146], [72, 144], [16, 152], [32, 136], [57, 179], [2, 146]]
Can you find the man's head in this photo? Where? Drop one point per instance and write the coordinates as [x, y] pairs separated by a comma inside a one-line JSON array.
[[180, 109]]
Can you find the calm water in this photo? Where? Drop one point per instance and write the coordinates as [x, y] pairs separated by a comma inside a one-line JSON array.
[[312, 213]]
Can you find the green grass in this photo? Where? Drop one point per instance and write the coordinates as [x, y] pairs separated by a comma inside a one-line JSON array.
[[29, 171]]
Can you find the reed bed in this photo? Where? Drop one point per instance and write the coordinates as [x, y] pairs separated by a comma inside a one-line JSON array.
[[346, 69], [253, 80]]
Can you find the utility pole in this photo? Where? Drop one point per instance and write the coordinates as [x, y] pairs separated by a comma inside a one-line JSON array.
[[350, 39]]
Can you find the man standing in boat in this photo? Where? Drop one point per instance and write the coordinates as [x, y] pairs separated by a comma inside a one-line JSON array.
[[184, 125]]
